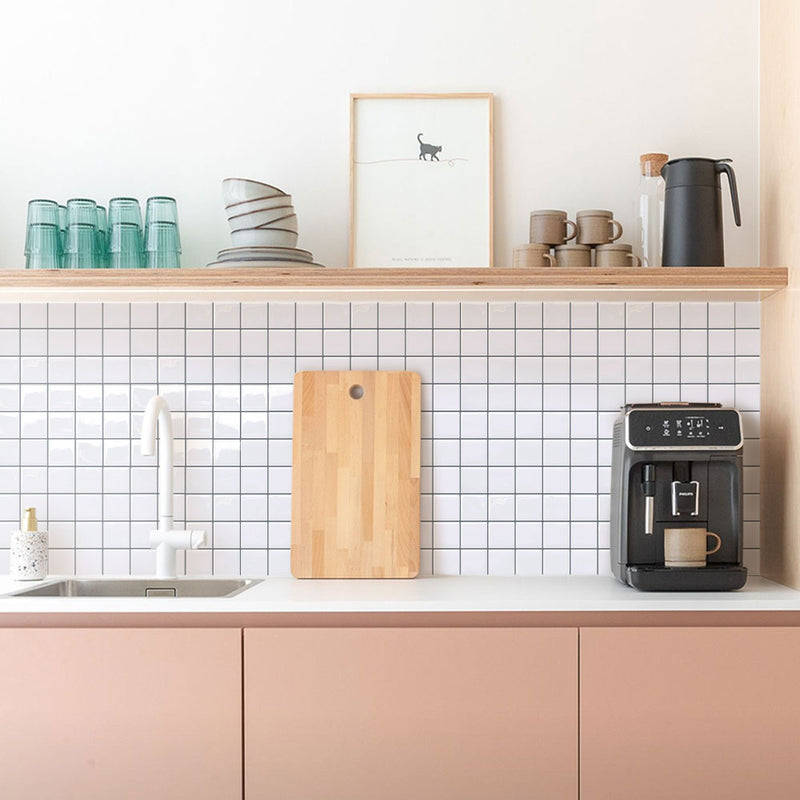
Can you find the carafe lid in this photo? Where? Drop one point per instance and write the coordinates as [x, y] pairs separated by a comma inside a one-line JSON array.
[[651, 163]]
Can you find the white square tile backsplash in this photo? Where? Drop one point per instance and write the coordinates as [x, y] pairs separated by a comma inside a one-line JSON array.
[[519, 401]]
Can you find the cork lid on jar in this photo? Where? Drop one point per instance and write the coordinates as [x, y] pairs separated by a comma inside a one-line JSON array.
[[651, 163]]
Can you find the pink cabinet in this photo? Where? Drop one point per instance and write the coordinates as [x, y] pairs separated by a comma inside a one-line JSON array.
[[399, 713], [690, 713], [92, 714]]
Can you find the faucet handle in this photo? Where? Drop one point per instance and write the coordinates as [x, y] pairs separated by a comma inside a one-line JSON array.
[[197, 539]]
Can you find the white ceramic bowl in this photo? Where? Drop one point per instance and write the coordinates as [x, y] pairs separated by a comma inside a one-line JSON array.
[[264, 237], [240, 190], [262, 204], [254, 219], [281, 217]]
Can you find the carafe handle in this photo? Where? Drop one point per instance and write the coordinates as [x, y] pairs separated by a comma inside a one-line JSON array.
[[724, 166]]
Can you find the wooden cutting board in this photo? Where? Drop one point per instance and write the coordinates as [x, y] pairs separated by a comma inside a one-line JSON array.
[[355, 475]]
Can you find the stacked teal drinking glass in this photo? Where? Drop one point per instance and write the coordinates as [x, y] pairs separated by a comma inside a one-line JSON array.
[[81, 235]]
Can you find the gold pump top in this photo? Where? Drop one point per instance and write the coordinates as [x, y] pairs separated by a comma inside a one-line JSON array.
[[29, 523], [651, 163]]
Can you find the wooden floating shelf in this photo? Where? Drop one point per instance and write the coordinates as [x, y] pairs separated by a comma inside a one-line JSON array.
[[754, 282]]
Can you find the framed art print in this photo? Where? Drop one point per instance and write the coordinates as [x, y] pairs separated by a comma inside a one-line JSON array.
[[421, 180]]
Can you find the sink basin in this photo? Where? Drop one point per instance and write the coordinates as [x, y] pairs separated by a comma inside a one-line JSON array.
[[138, 587]]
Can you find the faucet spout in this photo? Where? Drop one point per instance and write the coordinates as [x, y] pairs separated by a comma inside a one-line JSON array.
[[157, 416], [157, 423]]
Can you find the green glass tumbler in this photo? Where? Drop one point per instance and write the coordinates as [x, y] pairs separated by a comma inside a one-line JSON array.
[[126, 246], [162, 209], [163, 260], [45, 247], [40, 212], [81, 250], [81, 211], [162, 246], [124, 209]]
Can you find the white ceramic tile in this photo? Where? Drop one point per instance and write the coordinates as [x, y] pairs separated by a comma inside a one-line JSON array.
[[281, 315], [666, 315], [639, 370], [722, 369], [336, 315], [556, 315], [638, 315], [666, 342], [611, 315], [9, 315], [474, 343], [748, 342], [529, 342], [611, 342], [748, 369], [501, 315], [555, 562], [721, 315], [748, 315], [583, 562], [529, 315], [254, 343], [584, 342], [556, 343], [33, 315], [363, 315], [474, 315], [584, 315], [391, 315]]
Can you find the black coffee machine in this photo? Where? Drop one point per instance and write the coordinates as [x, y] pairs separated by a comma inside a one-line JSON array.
[[676, 465]]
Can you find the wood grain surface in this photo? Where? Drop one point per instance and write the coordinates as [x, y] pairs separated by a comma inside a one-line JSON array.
[[767, 279], [356, 475], [780, 314]]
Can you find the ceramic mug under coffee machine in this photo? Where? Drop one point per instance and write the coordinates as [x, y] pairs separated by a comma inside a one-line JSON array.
[[677, 465]]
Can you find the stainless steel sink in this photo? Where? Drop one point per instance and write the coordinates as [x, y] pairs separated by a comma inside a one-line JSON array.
[[138, 587]]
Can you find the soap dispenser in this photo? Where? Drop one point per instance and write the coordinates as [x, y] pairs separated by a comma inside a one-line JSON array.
[[28, 551]]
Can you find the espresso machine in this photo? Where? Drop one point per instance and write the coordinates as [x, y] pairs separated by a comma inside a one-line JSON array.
[[676, 465]]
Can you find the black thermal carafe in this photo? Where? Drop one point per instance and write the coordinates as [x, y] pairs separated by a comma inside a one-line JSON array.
[[693, 211]]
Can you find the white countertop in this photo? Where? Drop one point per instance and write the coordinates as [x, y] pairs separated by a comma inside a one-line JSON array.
[[425, 594]]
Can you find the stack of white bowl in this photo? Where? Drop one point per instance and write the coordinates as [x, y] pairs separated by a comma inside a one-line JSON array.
[[263, 225]]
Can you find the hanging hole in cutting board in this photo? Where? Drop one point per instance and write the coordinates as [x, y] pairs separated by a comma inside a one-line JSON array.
[[356, 391]]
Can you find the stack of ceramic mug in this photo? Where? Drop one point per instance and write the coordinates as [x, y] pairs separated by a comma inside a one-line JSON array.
[[595, 232]]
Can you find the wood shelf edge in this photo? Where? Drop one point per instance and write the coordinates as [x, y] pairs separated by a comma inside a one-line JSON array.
[[767, 279]]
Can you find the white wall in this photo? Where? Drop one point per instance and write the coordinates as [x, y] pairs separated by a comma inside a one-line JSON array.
[[104, 98]]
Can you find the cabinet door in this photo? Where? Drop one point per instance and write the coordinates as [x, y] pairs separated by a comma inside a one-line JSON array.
[[399, 713], [690, 713], [93, 714]]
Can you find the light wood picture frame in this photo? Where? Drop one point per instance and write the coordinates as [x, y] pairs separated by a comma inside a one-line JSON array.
[[422, 180]]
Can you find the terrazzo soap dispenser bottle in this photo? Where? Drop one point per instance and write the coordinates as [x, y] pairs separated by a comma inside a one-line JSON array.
[[28, 552]]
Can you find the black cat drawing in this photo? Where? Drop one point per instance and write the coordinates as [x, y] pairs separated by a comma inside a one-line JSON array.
[[428, 149]]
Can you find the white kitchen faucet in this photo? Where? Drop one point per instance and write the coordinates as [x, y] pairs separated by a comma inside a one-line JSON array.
[[165, 540]]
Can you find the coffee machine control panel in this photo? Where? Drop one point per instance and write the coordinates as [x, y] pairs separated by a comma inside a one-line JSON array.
[[688, 428]]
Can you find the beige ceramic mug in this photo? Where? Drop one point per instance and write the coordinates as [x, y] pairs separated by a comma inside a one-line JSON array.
[[573, 255], [533, 255], [615, 255], [686, 547], [551, 227], [597, 226]]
